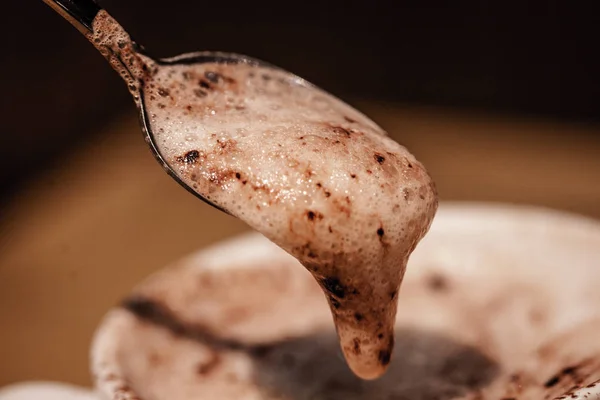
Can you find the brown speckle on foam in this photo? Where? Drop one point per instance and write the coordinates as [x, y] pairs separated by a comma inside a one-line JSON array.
[[379, 158], [227, 145], [340, 130], [220, 176], [190, 157], [552, 381], [570, 372], [334, 286], [314, 215], [334, 302], [385, 356]]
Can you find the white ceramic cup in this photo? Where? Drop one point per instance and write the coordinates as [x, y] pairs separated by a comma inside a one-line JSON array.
[[498, 302]]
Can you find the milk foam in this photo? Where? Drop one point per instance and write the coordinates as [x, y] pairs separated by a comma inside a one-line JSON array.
[[312, 174]]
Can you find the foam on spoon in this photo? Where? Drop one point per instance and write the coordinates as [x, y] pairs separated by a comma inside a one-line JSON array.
[[309, 172]]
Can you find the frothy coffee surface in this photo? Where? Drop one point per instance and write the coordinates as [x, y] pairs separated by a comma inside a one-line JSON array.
[[309, 172]]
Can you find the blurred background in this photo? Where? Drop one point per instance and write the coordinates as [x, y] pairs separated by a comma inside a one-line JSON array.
[[500, 100]]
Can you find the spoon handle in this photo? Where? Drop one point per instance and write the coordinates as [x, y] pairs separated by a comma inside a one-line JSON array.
[[80, 13]]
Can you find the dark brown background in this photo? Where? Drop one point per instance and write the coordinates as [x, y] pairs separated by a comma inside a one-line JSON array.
[[499, 101]]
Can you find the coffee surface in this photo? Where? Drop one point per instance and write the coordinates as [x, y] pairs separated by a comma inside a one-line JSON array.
[[309, 172]]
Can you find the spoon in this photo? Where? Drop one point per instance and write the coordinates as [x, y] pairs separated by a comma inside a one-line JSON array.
[[83, 13], [309, 172]]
